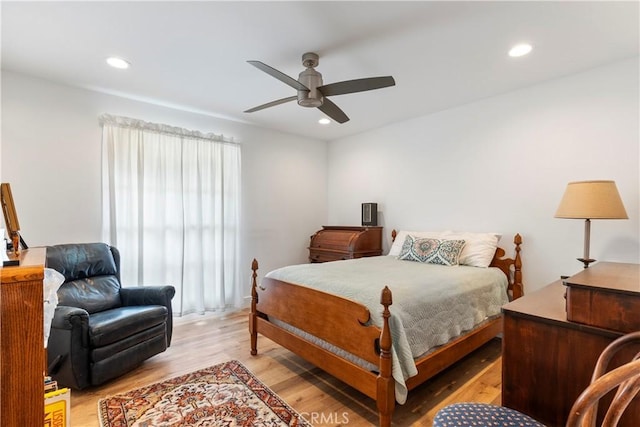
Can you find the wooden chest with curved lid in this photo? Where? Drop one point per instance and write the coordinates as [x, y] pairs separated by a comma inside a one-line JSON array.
[[334, 243]]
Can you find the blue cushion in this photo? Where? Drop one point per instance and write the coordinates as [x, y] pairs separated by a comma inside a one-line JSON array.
[[481, 415]]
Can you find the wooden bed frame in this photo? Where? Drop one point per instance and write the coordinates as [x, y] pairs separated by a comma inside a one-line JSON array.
[[325, 315]]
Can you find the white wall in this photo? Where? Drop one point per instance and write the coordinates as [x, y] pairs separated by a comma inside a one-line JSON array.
[[502, 164], [51, 156]]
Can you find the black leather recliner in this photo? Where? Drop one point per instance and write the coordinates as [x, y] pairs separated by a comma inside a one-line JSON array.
[[101, 330]]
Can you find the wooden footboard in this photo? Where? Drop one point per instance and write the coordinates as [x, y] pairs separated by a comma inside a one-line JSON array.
[[325, 316]]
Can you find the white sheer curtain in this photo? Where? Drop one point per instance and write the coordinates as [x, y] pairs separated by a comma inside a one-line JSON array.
[[171, 203]]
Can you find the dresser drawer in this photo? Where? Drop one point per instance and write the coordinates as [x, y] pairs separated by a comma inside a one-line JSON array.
[[616, 311], [316, 255], [605, 295]]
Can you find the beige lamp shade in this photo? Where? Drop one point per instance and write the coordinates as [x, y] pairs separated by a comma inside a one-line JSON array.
[[591, 200]]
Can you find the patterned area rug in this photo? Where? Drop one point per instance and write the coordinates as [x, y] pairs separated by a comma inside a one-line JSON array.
[[223, 395]]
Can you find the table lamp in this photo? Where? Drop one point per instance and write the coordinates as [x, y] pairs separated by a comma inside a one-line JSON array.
[[591, 200]]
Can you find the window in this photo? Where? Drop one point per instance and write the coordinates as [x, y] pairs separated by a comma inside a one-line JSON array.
[[171, 202]]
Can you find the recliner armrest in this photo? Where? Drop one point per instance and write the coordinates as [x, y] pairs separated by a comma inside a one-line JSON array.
[[147, 295], [66, 317], [151, 295], [68, 347]]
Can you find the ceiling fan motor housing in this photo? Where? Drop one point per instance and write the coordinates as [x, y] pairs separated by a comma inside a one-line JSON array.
[[311, 79]]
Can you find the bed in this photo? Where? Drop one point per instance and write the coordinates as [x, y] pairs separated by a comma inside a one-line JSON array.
[[342, 332]]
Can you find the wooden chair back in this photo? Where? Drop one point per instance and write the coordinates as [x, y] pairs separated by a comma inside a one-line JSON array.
[[625, 378]]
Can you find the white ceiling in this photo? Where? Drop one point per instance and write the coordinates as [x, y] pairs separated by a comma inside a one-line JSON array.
[[192, 55]]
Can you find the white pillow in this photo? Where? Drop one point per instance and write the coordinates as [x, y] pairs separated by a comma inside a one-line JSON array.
[[479, 248], [401, 236]]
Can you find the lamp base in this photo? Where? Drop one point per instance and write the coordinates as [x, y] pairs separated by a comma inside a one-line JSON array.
[[586, 261]]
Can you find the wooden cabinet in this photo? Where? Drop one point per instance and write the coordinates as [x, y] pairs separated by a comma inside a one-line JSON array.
[[22, 363], [334, 243], [547, 360]]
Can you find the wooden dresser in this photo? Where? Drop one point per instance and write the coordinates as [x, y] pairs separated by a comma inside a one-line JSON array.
[[334, 243], [22, 363], [547, 360]]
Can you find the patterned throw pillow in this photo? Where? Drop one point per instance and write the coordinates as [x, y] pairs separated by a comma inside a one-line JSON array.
[[431, 251]]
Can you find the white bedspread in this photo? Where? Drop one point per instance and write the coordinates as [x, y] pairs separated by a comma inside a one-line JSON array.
[[432, 304]]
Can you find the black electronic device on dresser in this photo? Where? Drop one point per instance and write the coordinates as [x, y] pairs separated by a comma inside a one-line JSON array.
[[369, 214], [334, 243]]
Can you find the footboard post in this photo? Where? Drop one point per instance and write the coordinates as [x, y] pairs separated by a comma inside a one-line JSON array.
[[253, 315], [385, 385], [518, 288]]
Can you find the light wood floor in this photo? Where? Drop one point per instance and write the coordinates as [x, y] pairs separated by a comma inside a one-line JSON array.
[[202, 341]]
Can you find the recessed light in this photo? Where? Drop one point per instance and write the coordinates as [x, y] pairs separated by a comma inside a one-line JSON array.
[[324, 121], [520, 50], [116, 62]]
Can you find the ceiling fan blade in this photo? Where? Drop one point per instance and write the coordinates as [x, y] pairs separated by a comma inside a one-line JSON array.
[[358, 85], [278, 75], [333, 111], [272, 104]]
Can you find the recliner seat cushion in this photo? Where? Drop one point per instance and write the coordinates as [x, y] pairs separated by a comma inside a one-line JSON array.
[[119, 323]]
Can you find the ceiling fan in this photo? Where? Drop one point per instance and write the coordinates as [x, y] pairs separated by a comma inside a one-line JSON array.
[[311, 91]]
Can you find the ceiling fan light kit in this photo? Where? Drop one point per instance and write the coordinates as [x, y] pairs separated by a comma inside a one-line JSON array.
[[313, 93]]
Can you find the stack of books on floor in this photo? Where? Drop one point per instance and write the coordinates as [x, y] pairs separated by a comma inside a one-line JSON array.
[[50, 384], [57, 404]]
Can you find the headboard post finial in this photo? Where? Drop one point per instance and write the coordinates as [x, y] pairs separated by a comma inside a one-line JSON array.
[[511, 267], [385, 298], [518, 288]]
